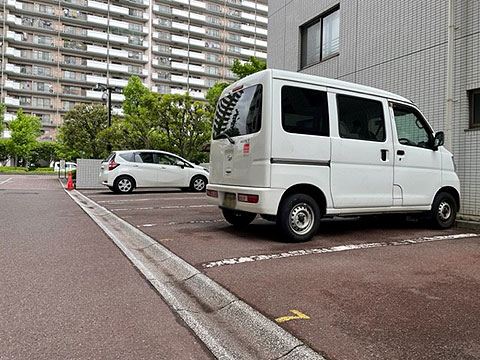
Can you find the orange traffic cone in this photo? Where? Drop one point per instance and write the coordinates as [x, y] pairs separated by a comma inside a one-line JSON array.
[[70, 182]]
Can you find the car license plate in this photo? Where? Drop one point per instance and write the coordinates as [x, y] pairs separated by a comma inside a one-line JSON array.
[[229, 200]]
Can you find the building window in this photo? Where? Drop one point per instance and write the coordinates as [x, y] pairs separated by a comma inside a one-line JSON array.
[[475, 109], [320, 38]]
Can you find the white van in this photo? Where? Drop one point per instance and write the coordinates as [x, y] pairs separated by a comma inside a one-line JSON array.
[[295, 148]]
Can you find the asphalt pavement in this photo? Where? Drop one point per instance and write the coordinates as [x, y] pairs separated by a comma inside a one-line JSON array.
[[67, 292]]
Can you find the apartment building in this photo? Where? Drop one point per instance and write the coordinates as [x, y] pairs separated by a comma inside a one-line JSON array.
[[398, 46], [56, 52]]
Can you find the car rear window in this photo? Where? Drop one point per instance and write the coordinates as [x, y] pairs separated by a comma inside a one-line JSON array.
[[130, 156], [239, 113]]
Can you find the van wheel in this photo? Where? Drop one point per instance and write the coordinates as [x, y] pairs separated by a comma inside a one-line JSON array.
[[123, 185], [238, 218], [444, 211], [299, 217], [198, 184]]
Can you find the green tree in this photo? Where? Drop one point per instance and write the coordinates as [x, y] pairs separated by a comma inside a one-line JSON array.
[[4, 150], [186, 125], [24, 131], [252, 66], [44, 150], [140, 128], [135, 96], [213, 94], [79, 134]]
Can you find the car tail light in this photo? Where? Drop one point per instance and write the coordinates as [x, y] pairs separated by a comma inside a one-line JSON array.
[[212, 193], [248, 198], [112, 164]]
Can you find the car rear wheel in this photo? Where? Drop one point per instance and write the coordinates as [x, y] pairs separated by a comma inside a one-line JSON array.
[[124, 185], [238, 218], [198, 184], [299, 217], [444, 211]]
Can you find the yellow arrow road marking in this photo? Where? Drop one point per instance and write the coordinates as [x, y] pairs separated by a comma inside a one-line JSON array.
[[298, 315]]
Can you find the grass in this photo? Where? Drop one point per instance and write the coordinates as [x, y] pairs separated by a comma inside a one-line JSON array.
[[22, 170]]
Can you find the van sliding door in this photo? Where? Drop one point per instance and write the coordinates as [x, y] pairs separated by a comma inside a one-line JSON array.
[[362, 152]]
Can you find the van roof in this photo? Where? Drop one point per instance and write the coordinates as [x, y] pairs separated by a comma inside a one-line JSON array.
[[327, 82]]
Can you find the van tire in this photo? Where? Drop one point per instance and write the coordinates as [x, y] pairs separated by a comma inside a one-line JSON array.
[[444, 211], [299, 217], [124, 185], [238, 218], [198, 183]]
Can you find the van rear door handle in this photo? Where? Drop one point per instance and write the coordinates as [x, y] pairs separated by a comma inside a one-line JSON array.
[[401, 152]]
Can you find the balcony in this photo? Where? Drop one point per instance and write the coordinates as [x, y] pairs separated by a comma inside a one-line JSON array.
[[253, 29], [186, 80], [185, 53], [251, 5], [194, 94], [186, 67], [252, 41], [97, 95], [13, 85], [257, 54], [254, 19], [11, 101], [9, 117]]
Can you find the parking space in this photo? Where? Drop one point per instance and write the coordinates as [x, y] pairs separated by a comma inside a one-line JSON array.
[[363, 289]]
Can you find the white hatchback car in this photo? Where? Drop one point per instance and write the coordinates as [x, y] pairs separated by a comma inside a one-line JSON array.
[[126, 170]]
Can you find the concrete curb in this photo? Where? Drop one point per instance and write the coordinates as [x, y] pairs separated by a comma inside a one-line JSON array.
[[468, 224], [229, 327]]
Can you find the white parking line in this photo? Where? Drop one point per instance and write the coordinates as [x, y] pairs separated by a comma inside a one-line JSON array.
[[244, 259], [164, 207], [5, 181], [183, 223], [148, 199]]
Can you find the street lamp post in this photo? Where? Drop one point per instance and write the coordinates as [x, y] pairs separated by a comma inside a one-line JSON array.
[[107, 96]]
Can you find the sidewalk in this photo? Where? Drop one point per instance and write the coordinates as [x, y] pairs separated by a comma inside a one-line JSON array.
[[67, 292]]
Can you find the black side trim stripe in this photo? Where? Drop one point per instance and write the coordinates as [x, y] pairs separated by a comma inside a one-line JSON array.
[[299, 162]]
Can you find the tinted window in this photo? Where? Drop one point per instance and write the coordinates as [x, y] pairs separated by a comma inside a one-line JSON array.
[[144, 157], [304, 111], [128, 156], [411, 129], [239, 113], [165, 159], [360, 118]]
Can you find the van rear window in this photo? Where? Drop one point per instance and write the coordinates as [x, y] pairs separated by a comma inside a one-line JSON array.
[[239, 113]]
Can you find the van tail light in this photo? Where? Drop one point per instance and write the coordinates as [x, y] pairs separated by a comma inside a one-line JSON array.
[[248, 198], [112, 164], [212, 193]]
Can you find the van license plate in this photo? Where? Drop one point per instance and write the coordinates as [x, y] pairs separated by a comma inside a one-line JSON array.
[[229, 200]]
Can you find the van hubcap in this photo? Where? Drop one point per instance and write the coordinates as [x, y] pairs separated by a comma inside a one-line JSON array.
[[301, 218], [444, 211], [124, 185]]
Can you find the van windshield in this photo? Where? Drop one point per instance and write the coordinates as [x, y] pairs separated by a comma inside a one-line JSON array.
[[239, 113]]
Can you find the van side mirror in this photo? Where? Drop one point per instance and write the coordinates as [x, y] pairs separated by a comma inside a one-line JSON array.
[[439, 140]]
